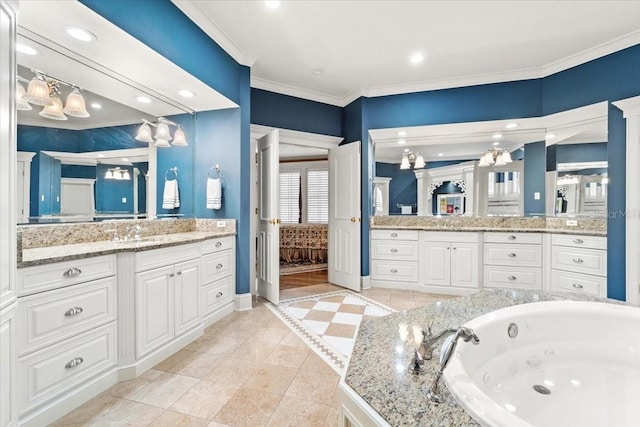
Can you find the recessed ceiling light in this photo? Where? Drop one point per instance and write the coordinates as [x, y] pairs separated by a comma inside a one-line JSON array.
[[96, 105], [402, 133], [550, 136], [100, 155], [27, 50], [497, 136], [511, 125], [406, 150], [124, 159], [496, 143], [317, 71], [416, 58], [401, 142], [440, 154], [143, 99], [272, 4], [81, 34], [186, 93]]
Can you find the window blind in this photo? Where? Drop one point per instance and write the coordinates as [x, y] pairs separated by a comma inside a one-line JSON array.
[[290, 197], [318, 196]]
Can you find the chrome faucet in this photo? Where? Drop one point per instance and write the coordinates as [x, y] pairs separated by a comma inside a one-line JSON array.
[[467, 334], [129, 230]]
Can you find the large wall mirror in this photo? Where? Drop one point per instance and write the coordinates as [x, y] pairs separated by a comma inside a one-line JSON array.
[[87, 168]]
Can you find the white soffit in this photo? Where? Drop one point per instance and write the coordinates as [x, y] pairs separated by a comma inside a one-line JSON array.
[[363, 47]]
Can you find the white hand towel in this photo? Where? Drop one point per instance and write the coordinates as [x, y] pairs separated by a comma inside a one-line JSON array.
[[214, 193], [170, 197], [378, 199]]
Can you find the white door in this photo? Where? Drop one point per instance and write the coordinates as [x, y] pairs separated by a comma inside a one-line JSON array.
[[464, 264], [187, 295], [344, 216], [438, 263], [268, 217]]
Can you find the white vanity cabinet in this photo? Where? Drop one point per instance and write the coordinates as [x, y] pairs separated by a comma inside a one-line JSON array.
[[579, 264], [167, 296], [394, 258], [8, 377], [218, 278], [513, 260], [451, 259]]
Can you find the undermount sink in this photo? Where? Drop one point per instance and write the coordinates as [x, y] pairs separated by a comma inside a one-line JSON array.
[[565, 363]]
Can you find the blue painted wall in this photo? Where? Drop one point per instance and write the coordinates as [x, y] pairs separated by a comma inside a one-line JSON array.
[[46, 194], [594, 152], [535, 163]]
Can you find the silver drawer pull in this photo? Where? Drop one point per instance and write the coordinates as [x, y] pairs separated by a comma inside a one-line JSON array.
[[171, 274], [394, 234], [179, 273], [577, 286], [218, 244], [73, 311], [72, 272], [578, 241], [219, 294], [578, 260], [74, 362], [511, 277], [511, 255], [394, 250], [394, 270], [219, 266], [511, 237]]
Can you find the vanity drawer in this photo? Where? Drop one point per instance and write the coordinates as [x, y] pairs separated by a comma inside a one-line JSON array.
[[218, 245], [47, 373], [513, 255], [146, 260], [512, 277], [452, 236], [218, 265], [394, 234], [402, 250], [60, 274], [52, 316], [586, 261], [576, 282], [574, 241], [217, 294], [400, 271], [527, 238]]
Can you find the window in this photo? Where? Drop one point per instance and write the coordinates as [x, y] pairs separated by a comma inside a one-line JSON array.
[[318, 196], [290, 197]]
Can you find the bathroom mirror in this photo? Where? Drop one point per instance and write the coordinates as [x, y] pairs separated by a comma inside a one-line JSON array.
[[130, 82]]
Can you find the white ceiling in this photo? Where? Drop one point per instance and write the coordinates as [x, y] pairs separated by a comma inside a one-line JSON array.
[[364, 46]]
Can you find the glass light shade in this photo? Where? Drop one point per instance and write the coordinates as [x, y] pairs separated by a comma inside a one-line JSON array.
[[54, 111], [500, 161], [486, 159], [75, 105], [126, 175], [506, 157], [605, 180], [179, 138], [405, 162], [117, 174], [419, 162], [163, 132], [38, 93], [162, 143], [144, 134], [108, 174], [21, 104]]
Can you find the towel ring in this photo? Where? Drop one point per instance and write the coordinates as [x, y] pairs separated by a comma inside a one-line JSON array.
[[167, 174], [217, 169]]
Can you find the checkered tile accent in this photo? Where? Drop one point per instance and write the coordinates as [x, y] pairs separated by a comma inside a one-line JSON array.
[[329, 322]]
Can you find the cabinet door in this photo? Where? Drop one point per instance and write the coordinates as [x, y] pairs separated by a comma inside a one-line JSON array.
[[438, 263], [187, 295], [7, 367], [154, 309], [464, 264]]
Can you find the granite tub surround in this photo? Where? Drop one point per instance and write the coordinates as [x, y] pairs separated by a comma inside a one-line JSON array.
[[378, 372], [64, 242], [595, 227]]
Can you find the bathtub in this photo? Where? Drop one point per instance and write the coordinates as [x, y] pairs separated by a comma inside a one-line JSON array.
[[568, 363]]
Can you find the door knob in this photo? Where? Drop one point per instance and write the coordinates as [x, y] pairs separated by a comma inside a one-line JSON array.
[[353, 219]]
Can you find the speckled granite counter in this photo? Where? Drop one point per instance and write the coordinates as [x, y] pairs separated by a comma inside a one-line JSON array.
[[45, 244], [592, 227], [378, 367]]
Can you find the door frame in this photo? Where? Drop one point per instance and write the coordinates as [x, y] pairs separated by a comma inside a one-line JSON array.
[[287, 136]]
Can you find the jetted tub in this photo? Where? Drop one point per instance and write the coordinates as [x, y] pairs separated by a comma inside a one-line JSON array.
[[571, 363]]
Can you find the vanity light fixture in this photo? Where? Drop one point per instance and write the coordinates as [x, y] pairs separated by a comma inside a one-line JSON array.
[[75, 105], [44, 90], [117, 174], [54, 111], [415, 158], [21, 104], [163, 134], [495, 156]]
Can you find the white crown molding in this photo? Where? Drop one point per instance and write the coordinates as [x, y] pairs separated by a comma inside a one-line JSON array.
[[79, 126], [284, 89], [629, 106], [195, 14], [306, 139]]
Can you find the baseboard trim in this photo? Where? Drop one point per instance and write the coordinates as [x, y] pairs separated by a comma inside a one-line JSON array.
[[445, 290], [365, 282], [243, 302], [212, 318]]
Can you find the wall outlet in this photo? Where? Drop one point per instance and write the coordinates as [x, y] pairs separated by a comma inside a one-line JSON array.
[[124, 200], [572, 222], [221, 224], [42, 197], [536, 195]]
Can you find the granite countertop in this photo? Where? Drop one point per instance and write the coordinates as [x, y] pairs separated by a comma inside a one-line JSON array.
[[378, 367], [51, 254], [581, 232]]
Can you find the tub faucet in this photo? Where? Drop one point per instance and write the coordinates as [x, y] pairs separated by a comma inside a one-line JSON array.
[[467, 334]]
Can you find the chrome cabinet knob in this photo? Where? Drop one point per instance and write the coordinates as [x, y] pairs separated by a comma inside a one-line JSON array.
[[394, 270], [73, 311], [72, 272], [219, 294], [578, 260], [218, 244], [578, 241], [394, 234], [511, 237], [219, 266], [511, 255], [74, 362], [394, 250], [511, 277], [577, 286]]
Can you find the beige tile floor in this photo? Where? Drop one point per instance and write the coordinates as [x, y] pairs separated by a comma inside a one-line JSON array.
[[248, 369]]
